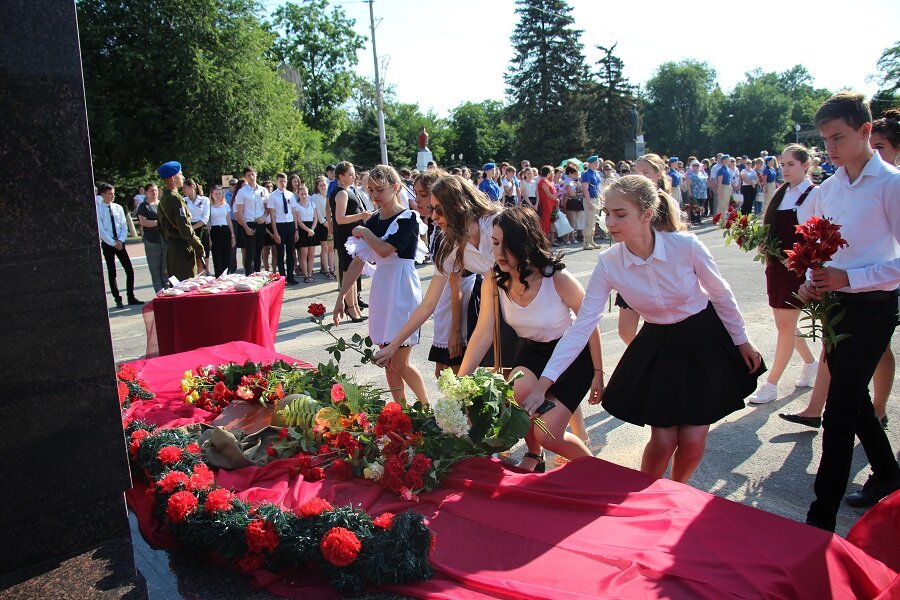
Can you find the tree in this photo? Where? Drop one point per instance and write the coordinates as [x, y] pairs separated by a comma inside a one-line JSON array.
[[480, 133], [609, 99], [201, 89], [889, 68], [677, 101], [321, 48], [797, 84], [545, 81], [755, 116]]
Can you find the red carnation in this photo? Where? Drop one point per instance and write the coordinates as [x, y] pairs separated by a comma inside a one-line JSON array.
[[250, 562], [169, 455], [123, 392], [172, 480], [337, 393], [342, 470], [218, 500], [384, 521], [180, 505], [136, 439], [314, 506], [261, 536], [202, 478], [340, 546], [219, 391], [316, 310], [193, 448], [420, 463], [315, 474], [716, 218], [271, 451]]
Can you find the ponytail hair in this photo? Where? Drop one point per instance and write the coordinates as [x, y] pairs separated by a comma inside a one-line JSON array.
[[662, 179], [668, 215]]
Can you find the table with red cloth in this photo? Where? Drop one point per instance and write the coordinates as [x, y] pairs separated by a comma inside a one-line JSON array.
[[591, 529], [181, 323]]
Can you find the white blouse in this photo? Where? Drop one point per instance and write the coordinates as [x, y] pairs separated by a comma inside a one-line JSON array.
[[546, 318], [219, 215], [478, 260], [664, 289], [306, 213]]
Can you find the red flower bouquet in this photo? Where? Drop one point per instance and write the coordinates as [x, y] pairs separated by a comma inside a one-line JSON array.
[[340, 546], [821, 239]]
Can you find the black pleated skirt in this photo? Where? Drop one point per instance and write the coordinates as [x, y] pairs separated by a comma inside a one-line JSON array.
[[573, 384], [686, 373]]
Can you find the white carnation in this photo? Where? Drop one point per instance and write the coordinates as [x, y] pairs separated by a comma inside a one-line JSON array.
[[450, 417]]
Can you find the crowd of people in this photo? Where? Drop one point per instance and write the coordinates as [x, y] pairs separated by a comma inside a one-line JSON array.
[[500, 291]]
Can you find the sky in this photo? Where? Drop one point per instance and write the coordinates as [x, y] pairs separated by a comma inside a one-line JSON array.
[[441, 53]]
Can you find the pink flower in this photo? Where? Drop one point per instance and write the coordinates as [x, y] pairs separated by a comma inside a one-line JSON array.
[[337, 393]]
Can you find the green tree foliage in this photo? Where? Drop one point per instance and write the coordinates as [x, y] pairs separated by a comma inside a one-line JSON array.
[[797, 84], [186, 80], [755, 116], [480, 133], [889, 69], [320, 46], [545, 80], [883, 100], [608, 100], [678, 102]]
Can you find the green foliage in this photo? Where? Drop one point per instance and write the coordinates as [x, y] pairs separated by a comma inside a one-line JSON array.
[[889, 69], [320, 47], [544, 82], [755, 116], [678, 100], [186, 80], [480, 133], [609, 99]]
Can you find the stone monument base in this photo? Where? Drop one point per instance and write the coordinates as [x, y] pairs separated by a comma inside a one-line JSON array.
[[634, 149], [423, 158]]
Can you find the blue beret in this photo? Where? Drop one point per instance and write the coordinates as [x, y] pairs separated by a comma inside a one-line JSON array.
[[488, 167], [592, 158], [725, 156], [673, 159], [768, 158], [169, 169]]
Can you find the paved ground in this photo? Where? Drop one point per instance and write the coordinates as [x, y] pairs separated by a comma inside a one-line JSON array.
[[752, 457]]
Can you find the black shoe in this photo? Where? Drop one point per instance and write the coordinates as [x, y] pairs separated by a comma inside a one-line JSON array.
[[119, 303], [814, 422], [360, 303], [872, 491], [134, 301], [541, 466], [359, 319], [293, 281], [814, 523]]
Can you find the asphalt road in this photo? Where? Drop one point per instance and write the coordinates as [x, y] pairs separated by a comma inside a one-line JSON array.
[[752, 456]]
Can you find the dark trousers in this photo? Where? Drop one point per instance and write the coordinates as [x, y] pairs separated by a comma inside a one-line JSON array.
[[220, 237], [239, 243], [109, 255], [749, 193], [848, 409], [286, 233], [253, 245]]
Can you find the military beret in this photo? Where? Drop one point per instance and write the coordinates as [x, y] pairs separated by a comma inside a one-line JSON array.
[[489, 166], [168, 169], [592, 158]]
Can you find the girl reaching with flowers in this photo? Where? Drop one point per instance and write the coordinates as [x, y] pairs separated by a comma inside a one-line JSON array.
[[538, 298], [691, 363], [390, 239]]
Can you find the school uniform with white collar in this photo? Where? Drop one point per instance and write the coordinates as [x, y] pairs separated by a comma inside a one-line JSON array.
[[199, 209], [252, 201], [283, 203], [113, 228], [684, 366], [868, 211]]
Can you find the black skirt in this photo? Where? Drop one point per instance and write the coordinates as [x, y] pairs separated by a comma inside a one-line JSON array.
[[686, 373], [442, 356], [575, 382], [321, 233], [305, 240]]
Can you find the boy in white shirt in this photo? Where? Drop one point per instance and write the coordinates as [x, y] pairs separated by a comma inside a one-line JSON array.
[[863, 197], [113, 232]]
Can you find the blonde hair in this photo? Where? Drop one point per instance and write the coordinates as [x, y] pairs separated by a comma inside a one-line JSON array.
[[662, 179], [461, 204], [638, 190], [668, 215]]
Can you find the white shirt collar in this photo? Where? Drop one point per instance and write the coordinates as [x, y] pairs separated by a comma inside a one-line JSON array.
[[659, 253], [874, 166]]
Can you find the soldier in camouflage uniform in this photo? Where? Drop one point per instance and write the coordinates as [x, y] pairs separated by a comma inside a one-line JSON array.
[[184, 250]]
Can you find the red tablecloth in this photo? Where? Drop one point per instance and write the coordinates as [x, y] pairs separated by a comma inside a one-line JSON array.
[[590, 529], [182, 323]]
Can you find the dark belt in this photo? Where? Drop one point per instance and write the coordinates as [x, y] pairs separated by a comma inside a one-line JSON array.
[[876, 296], [541, 345]]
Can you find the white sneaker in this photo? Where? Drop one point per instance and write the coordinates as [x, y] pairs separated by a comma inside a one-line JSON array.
[[808, 375], [765, 394]]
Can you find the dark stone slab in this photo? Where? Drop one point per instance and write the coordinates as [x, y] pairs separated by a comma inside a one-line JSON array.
[[63, 461]]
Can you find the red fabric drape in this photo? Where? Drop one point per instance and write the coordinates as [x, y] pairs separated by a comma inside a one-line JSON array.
[[181, 323], [590, 529]]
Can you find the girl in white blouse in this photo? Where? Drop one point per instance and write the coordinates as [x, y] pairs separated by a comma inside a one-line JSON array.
[[691, 363]]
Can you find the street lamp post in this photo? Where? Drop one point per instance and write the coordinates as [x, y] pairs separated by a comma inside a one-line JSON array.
[[797, 132]]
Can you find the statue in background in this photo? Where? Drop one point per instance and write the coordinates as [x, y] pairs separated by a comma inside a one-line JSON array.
[[423, 139], [635, 119]]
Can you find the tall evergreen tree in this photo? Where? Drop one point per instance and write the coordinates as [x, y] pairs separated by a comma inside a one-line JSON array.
[[608, 100], [545, 81]]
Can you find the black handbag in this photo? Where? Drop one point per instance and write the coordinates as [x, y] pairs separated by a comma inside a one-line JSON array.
[[575, 203]]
